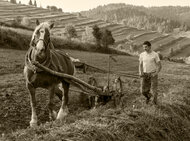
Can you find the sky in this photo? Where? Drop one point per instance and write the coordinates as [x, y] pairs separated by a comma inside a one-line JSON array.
[[81, 5]]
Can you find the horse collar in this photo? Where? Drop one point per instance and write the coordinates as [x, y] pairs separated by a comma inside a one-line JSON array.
[[32, 67]]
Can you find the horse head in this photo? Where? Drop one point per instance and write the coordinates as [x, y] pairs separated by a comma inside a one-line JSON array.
[[41, 40]]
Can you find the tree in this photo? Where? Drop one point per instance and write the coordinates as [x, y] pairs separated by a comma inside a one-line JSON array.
[[97, 34], [70, 31], [107, 38], [53, 8], [35, 4], [133, 48], [25, 21], [30, 2], [13, 1], [60, 10]]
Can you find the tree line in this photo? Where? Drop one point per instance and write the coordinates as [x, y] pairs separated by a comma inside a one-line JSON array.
[[136, 16], [52, 8], [29, 3]]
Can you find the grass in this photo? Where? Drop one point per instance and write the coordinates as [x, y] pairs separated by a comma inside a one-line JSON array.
[[133, 120]]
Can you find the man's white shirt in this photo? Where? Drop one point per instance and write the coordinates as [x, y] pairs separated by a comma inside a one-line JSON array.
[[149, 61]]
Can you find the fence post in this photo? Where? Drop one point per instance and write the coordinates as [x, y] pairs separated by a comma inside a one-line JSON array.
[[109, 73]]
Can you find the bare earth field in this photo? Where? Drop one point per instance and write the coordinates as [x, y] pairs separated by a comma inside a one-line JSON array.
[[133, 121]]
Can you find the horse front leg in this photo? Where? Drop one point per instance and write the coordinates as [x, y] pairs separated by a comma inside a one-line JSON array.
[[31, 89], [52, 113], [64, 109]]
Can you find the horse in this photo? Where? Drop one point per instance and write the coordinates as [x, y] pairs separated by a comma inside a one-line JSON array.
[[41, 50]]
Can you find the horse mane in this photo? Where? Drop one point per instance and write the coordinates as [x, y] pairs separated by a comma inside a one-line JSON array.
[[51, 46]]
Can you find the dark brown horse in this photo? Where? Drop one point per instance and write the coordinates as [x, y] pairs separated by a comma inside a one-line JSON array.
[[41, 50]]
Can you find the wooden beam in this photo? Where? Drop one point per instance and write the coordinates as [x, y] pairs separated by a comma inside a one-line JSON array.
[[71, 79]]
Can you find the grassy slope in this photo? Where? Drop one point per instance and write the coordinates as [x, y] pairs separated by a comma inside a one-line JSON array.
[[134, 121], [120, 32]]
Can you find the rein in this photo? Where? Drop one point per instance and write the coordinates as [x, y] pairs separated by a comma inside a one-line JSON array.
[[45, 43], [45, 63]]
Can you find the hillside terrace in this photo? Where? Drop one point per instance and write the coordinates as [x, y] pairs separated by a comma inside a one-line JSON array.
[[160, 42]]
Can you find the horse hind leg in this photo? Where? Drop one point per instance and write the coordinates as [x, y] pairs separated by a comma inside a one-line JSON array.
[[31, 89], [52, 113], [64, 109], [59, 91]]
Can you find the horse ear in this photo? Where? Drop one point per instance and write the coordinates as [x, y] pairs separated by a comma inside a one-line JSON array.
[[51, 26], [37, 22]]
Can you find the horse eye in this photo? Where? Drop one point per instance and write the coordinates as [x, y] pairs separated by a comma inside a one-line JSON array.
[[41, 31], [35, 36]]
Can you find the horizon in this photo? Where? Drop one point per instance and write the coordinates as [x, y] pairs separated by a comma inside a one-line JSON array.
[[85, 5]]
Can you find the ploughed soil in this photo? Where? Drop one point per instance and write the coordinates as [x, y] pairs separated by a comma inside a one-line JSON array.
[[133, 119]]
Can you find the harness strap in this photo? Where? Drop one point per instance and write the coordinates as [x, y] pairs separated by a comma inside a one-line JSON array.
[[32, 67]]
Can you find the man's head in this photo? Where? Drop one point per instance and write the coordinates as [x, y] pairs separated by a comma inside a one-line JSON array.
[[147, 46]]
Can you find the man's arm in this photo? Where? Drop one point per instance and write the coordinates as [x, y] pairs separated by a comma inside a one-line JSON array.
[[159, 67], [158, 64]]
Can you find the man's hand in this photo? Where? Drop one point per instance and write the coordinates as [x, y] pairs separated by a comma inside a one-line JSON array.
[[154, 74], [141, 74]]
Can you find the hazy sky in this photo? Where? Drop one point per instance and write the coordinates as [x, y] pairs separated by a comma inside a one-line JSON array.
[[79, 5]]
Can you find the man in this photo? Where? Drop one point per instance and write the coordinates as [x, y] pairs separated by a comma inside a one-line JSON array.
[[149, 67]]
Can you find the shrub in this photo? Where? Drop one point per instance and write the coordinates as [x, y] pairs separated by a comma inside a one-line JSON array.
[[70, 31], [11, 39], [87, 35], [17, 21], [25, 21], [13, 1]]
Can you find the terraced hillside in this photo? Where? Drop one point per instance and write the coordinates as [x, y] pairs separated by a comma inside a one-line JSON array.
[[9, 12], [168, 45], [121, 33]]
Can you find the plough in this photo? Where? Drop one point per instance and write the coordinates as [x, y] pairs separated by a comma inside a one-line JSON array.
[[85, 87]]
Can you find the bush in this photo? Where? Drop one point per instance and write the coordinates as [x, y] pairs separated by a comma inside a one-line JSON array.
[[11, 39], [25, 21], [70, 31]]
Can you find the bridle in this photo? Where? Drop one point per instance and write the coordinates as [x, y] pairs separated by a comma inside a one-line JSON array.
[[46, 44]]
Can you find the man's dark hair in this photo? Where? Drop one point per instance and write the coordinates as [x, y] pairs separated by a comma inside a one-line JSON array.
[[147, 43]]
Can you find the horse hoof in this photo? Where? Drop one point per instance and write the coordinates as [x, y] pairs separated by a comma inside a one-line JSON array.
[[54, 115], [33, 124], [62, 114]]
